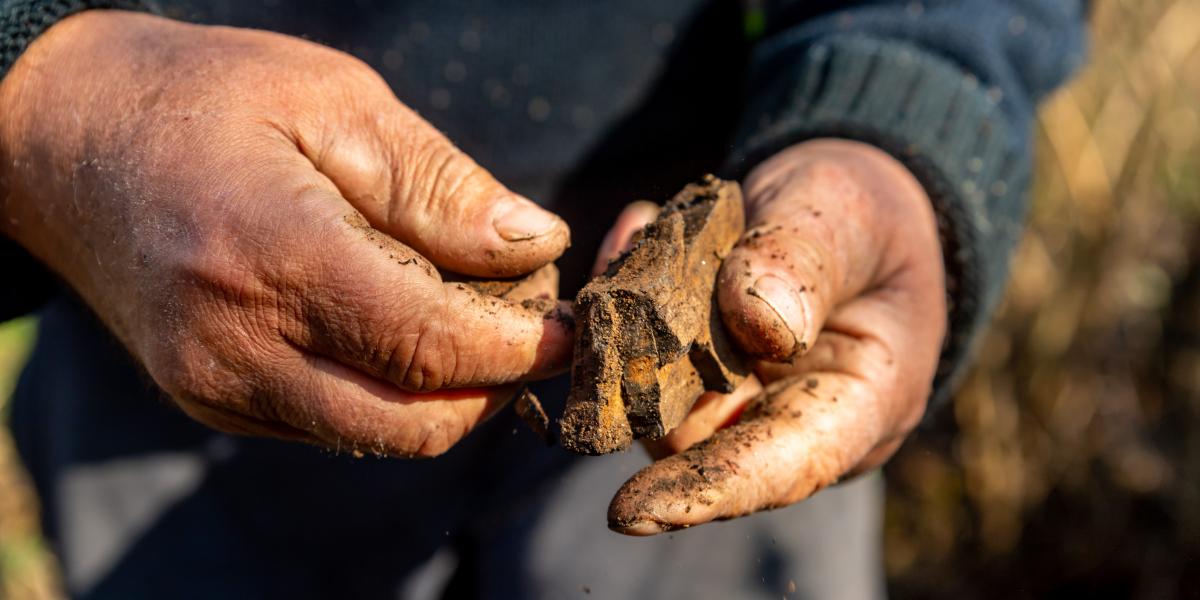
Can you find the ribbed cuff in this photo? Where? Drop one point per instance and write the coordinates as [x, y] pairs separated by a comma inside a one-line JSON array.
[[935, 118]]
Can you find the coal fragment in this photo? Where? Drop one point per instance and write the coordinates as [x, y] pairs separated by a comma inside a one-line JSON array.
[[649, 339], [529, 408]]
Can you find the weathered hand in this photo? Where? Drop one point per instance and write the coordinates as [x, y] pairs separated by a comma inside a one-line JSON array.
[[838, 288], [258, 219]]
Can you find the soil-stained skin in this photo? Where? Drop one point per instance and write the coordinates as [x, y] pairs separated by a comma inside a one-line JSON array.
[[536, 292], [714, 479]]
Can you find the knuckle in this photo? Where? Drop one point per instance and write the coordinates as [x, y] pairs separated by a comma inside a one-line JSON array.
[[827, 173], [185, 370], [421, 438], [359, 73], [351, 73], [204, 329], [423, 361], [438, 438], [434, 173], [314, 66], [823, 470], [904, 379], [223, 305]]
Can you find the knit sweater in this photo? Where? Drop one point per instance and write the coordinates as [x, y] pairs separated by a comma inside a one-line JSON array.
[[569, 101]]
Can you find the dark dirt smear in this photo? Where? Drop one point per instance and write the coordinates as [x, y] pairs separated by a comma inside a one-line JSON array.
[[562, 316], [545, 306], [403, 255], [705, 467]]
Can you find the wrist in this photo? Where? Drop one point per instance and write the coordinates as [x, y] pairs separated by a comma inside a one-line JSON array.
[[58, 100], [25, 92]]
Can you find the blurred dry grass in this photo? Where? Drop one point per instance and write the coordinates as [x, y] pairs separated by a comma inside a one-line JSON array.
[[1070, 462], [27, 569]]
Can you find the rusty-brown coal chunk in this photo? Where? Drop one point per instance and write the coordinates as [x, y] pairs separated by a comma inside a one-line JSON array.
[[649, 339]]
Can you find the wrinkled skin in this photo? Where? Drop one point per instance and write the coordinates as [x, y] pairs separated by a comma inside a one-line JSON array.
[[258, 218], [838, 289]]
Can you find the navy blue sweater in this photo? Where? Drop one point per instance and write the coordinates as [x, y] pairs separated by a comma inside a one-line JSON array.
[[585, 106]]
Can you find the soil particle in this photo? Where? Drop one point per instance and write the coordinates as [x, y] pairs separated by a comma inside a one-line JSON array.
[[529, 408], [545, 306], [403, 255]]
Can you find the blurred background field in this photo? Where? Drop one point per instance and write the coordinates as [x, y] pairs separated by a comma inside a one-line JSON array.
[[1069, 463], [26, 568]]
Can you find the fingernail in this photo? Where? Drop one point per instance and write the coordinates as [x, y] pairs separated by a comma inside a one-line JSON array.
[[787, 305], [640, 528], [521, 220]]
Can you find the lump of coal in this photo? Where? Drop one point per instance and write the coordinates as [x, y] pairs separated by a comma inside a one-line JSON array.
[[649, 339]]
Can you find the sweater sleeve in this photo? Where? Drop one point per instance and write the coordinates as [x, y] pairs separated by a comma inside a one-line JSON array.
[[21, 21], [948, 87]]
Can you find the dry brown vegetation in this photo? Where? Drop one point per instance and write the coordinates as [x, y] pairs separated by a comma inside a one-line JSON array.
[[1070, 461], [27, 569]]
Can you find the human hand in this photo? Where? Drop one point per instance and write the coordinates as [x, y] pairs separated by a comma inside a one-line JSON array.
[[258, 219], [837, 288]]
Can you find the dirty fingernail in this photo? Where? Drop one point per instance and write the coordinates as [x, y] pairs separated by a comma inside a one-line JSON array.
[[521, 219], [639, 528], [788, 306]]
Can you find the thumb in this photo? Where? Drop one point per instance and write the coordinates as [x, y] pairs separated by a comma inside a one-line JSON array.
[[412, 183], [822, 220]]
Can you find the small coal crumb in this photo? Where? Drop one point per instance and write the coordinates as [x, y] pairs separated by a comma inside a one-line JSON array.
[[531, 412], [546, 306]]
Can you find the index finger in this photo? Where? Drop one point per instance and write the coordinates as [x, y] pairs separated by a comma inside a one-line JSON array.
[[843, 407], [369, 302]]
